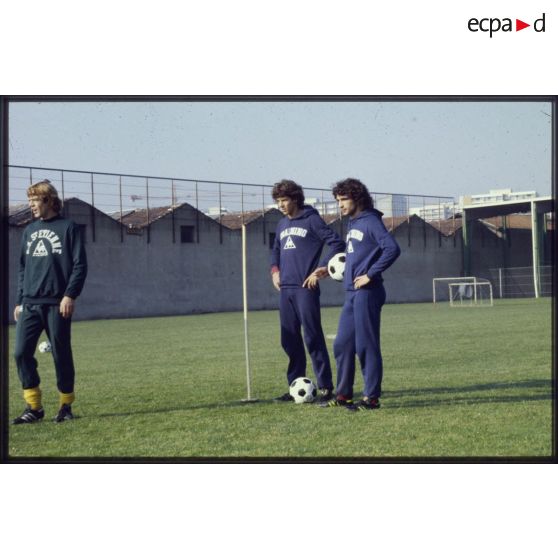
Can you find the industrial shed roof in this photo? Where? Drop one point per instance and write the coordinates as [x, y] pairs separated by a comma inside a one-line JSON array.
[[235, 220], [20, 215], [138, 218]]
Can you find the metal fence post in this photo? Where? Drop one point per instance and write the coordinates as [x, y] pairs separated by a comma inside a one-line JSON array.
[[263, 214], [147, 206], [197, 216], [92, 209], [173, 199], [220, 218], [120, 196], [466, 245]]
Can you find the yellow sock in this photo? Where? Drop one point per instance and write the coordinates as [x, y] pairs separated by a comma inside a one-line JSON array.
[[33, 398], [67, 398]]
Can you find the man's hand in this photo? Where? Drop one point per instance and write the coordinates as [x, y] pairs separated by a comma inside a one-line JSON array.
[[361, 281], [311, 281], [67, 307], [276, 280], [17, 312]]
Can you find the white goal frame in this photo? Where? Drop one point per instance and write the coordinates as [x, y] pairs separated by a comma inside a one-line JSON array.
[[454, 279], [475, 301]]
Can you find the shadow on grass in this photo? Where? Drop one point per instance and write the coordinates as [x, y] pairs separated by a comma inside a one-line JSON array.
[[492, 386], [390, 398], [222, 405], [521, 384], [465, 401]]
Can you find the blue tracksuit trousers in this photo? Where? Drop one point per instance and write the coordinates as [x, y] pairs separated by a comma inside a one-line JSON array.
[[301, 307], [359, 334], [32, 321]]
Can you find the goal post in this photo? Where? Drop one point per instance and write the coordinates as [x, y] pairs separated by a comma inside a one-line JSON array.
[[462, 291], [440, 289]]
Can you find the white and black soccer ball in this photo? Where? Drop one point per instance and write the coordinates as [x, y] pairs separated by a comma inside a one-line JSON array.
[[336, 266], [303, 390], [45, 347]]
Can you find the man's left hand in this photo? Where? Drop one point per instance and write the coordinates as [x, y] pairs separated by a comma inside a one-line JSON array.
[[312, 280], [67, 307], [361, 281]]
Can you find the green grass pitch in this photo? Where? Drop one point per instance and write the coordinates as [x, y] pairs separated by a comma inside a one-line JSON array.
[[458, 382]]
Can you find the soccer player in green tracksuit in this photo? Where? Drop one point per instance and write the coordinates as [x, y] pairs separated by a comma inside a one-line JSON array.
[[52, 271]]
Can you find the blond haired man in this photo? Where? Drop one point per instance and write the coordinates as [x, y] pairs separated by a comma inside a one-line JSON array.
[[52, 271]]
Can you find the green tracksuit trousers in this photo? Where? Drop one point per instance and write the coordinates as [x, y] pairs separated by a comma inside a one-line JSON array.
[[32, 321]]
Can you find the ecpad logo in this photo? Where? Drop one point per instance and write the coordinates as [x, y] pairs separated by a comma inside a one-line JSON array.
[[493, 25]]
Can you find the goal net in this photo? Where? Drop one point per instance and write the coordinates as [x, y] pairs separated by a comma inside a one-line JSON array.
[[462, 291], [470, 293]]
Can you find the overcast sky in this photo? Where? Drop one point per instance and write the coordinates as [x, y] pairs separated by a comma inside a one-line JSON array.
[[434, 148]]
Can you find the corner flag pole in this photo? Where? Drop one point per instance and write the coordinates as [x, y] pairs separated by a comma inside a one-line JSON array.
[[245, 304]]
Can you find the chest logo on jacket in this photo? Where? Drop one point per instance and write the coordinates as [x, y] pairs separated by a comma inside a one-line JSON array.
[[289, 233], [289, 245], [356, 235], [293, 231], [40, 249]]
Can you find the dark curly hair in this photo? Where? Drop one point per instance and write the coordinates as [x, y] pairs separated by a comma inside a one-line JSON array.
[[356, 191], [288, 189]]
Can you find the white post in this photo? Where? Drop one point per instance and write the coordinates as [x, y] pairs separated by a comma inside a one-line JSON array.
[[475, 287], [535, 248], [500, 277], [245, 304]]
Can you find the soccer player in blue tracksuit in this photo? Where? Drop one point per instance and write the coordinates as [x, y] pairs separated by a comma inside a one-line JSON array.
[[296, 269], [370, 251], [52, 271]]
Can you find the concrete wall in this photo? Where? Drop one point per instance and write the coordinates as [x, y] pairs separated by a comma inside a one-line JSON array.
[[490, 250], [150, 275], [425, 254], [261, 293], [14, 246]]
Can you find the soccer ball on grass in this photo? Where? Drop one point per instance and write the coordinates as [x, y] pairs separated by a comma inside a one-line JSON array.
[[45, 347], [336, 266], [303, 390]]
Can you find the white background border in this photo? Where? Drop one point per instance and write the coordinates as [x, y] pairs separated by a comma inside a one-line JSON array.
[[215, 47]]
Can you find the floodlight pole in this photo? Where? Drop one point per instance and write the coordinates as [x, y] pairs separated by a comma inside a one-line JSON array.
[[466, 244]]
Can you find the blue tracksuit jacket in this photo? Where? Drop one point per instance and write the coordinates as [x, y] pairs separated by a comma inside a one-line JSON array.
[[298, 245], [370, 249]]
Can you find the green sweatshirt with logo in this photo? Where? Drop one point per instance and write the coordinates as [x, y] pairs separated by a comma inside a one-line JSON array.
[[52, 263]]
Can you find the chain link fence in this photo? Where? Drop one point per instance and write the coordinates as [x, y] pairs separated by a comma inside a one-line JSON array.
[[117, 194], [519, 282]]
